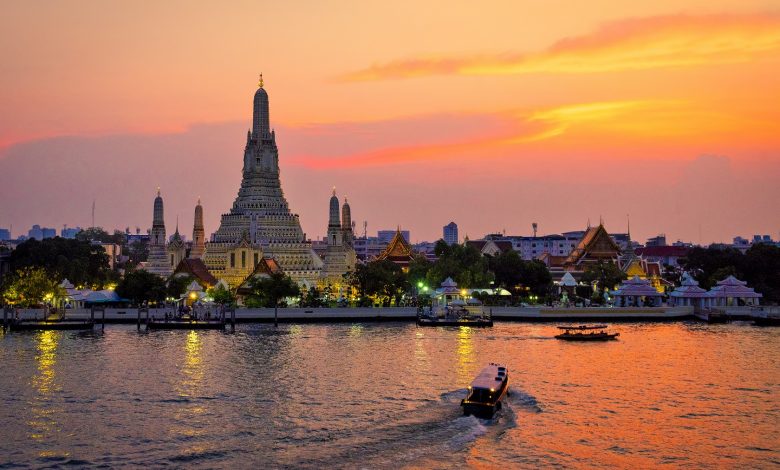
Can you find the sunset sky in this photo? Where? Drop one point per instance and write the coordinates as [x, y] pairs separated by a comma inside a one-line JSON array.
[[490, 114]]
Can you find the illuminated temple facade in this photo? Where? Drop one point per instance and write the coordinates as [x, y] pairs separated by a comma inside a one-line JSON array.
[[260, 223], [340, 257]]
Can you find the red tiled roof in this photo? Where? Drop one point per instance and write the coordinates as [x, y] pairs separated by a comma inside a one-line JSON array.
[[664, 251], [196, 268]]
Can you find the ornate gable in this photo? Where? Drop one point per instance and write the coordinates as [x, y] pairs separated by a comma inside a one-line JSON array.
[[595, 245]]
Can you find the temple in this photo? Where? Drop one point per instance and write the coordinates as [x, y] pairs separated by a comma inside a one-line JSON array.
[[260, 223], [399, 251], [158, 262], [596, 245], [340, 257], [198, 234]]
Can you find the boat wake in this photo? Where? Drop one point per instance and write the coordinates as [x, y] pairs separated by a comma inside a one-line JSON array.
[[433, 434]]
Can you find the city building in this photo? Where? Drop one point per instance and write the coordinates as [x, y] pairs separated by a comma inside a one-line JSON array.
[[5, 234], [386, 236], [113, 250], [666, 255], [659, 240], [260, 217], [368, 248], [39, 233], [158, 262], [69, 232], [450, 235]]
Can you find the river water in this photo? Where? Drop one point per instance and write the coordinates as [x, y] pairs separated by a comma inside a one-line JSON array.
[[387, 395]]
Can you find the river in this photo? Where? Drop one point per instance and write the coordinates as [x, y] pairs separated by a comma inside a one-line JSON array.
[[387, 395]]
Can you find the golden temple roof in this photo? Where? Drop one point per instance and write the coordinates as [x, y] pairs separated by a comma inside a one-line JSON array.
[[596, 243], [397, 248]]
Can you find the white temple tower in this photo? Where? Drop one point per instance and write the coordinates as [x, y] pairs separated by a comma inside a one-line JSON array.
[[261, 209], [157, 262], [198, 234]]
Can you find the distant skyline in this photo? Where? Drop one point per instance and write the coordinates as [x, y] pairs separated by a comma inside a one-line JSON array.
[[494, 116]]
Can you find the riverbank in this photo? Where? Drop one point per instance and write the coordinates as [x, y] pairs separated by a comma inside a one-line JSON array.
[[317, 315]]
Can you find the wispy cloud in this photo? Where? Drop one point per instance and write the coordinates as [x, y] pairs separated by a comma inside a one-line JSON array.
[[512, 130], [644, 43]]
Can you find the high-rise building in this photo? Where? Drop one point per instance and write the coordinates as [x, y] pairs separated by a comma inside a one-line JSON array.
[[39, 233], [5, 234], [386, 236], [451, 233], [260, 219], [158, 262]]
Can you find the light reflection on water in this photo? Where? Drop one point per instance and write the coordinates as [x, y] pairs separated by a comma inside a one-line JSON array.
[[387, 395]]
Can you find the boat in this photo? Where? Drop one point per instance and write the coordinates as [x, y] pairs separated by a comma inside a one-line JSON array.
[[586, 333], [486, 392]]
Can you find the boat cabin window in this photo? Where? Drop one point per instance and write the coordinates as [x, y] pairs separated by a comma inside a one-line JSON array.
[[479, 394]]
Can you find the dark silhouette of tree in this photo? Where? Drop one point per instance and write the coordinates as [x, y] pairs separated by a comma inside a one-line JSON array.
[[269, 290], [141, 286]]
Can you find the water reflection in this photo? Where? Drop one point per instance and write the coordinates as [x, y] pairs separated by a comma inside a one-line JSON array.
[[43, 424], [193, 367], [465, 354], [420, 354], [188, 415]]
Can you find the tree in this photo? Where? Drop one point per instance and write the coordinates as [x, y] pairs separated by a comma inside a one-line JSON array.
[[221, 295], [381, 279], [463, 263], [418, 269], [311, 298], [272, 289], [81, 262], [606, 275], [98, 234], [137, 252], [507, 267], [177, 285], [759, 267], [30, 286], [141, 286], [535, 275]]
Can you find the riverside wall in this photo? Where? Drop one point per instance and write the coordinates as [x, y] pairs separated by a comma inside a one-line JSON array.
[[367, 314]]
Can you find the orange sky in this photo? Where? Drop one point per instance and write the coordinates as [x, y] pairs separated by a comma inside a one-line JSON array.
[[494, 115]]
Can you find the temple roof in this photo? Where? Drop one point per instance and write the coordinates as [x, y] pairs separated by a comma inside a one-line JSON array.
[[568, 280], [264, 267], [595, 243], [733, 287], [636, 287], [689, 288], [196, 268], [397, 250]]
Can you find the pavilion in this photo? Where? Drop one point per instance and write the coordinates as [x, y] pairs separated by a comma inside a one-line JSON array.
[[636, 292], [731, 292], [689, 294]]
